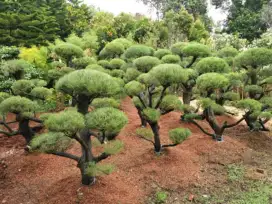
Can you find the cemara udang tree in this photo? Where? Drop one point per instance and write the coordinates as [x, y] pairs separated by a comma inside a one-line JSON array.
[[150, 95], [80, 125]]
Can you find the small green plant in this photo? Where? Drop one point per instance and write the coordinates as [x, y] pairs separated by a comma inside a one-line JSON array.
[[235, 172], [161, 197]]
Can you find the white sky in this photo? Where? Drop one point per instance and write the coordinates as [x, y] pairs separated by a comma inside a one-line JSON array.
[[132, 6]]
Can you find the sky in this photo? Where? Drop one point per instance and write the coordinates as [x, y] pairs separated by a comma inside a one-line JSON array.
[[132, 6]]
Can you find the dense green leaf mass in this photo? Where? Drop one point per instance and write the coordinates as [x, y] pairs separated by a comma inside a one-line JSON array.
[[170, 103], [177, 49], [68, 122], [106, 119], [249, 105], [152, 115], [160, 53], [146, 63], [134, 88], [131, 74], [116, 63], [14, 68], [17, 104], [211, 81], [171, 59], [105, 102], [212, 64], [40, 93], [196, 50], [112, 50], [136, 51], [148, 80], [168, 74], [254, 57], [178, 135], [88, 82], [83, 62], [50, 142], [3, 96], [67, 51], [22, 87]]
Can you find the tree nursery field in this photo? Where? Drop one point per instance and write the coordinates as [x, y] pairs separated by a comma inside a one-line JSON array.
[[104, 109]]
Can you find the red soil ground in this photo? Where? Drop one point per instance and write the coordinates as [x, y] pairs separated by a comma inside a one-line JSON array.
[[48, 179]]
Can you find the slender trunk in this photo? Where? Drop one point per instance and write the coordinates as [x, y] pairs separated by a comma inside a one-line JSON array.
[[143, 121], [87, 157], [157, 140]]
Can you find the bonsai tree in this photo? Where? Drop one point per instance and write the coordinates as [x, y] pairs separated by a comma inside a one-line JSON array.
[[112, 50], [228, 54], [136, 51], [81, 125], [160, 53], [254, 62], [149, 93], [68, 51], [210, 85], [21, 99], [215, 85]]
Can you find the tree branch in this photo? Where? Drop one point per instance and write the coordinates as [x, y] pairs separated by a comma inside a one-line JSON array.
[[77, 138], [6, 126], [67, 155], [192, 62], [169, 145], [161, 97], [36, 120], [101, 157], [140, 98], [201, 128], [9, 134], [146, 139], [234, 124]]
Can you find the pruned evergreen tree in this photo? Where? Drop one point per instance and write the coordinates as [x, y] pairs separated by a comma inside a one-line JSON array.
[[81, 125], [256, 63], [149, 93]]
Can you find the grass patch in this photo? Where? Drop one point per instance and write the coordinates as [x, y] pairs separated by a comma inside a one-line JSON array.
[[236, 172]]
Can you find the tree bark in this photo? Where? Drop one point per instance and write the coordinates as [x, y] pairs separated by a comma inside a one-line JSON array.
[[157, 141], [143, 121]]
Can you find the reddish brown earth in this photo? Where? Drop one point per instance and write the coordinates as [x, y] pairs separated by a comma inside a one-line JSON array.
[[48, 179]]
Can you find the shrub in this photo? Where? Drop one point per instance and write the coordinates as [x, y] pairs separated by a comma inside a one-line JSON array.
[[136, 51], [171, 59], [160, 53], [212, 64], [146, 63]]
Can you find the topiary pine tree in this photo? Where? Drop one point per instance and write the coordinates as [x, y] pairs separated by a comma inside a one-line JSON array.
[[255, 62], [23, 105], [81, 125], [67, 52], [149, 93], [215, 85]]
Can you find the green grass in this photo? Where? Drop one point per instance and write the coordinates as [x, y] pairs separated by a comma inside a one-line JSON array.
[[235, 172]]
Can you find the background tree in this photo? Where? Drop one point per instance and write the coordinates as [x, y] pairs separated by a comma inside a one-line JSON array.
[[258, 78], [149, 94]]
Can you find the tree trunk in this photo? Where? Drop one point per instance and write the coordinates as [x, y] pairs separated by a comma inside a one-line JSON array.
[[210, 118], [25, 129], [86, 158], [187, 96], [143, 121], [157, 140]]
